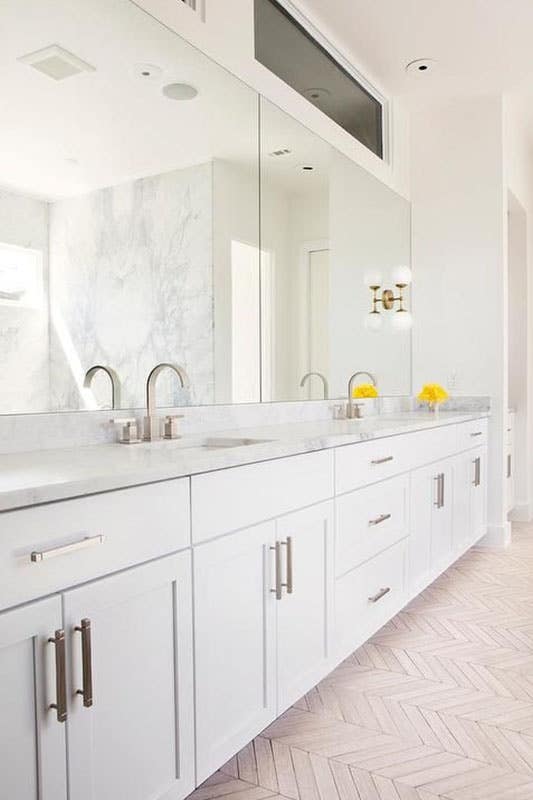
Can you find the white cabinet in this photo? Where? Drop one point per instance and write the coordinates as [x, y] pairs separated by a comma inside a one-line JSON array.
[[304, 614], [32, 741], [478, 493], [131, 730], [430, 539], [235, 641], [470, 498], [262, 627]]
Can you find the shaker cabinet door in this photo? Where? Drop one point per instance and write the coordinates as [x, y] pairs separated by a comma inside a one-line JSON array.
[[32, 740], [305, 609], [131, 684], [235, 646]]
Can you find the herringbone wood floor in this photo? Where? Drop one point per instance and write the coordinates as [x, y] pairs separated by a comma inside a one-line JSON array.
[[439, 704]]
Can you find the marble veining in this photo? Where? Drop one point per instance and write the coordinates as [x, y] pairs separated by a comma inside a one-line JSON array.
[[44, 476]]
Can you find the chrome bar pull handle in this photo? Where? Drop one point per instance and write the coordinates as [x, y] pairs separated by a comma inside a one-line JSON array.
[[289, 584], [442, 479], [376, 597], [436, 502], [60, 706], [477, 433], [477, 471], [83, 544], [86, 660], [509, 465], [377, 461], [278, 590], [379, 520]]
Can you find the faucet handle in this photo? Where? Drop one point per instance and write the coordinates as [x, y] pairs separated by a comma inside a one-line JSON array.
[[129, 433], [171, 426], [353, 410]]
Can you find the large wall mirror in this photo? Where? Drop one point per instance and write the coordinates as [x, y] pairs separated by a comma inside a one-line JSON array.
[[154, 209]]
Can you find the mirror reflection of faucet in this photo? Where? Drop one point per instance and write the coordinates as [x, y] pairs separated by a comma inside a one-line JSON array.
[[322, 377], [113, 377]]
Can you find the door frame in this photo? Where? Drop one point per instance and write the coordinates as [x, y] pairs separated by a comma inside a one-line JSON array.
[[306, 248]]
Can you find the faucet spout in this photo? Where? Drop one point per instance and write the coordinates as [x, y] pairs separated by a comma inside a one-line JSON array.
[[351, 407], [322, 377], [151, 422], [113, 378]]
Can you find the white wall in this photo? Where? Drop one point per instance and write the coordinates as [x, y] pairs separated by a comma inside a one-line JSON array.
[[518, 163], [227, 37], [460, 263]]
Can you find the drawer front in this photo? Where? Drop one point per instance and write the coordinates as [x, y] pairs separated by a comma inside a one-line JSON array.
[[370, 520], [78, 540], [368, 462], [236, 498], [368, 596], [472, 434]]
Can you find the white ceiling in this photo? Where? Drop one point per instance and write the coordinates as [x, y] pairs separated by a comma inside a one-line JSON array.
[[481, 46]]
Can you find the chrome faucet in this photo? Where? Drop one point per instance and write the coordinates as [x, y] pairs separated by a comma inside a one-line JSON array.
[[113, 377], [352, 409], [318, 375], [152, 428]]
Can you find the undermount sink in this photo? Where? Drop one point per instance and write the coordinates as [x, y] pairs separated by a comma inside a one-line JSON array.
[[217, 443]]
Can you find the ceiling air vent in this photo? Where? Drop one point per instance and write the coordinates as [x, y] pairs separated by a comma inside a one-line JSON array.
[[56, 62]]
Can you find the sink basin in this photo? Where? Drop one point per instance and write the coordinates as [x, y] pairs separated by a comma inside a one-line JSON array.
[[218, 443]]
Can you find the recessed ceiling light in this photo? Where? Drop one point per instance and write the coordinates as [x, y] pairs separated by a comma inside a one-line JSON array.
[[147, 71], [421, 66], [179, 91], [307, 168], [56, 62]]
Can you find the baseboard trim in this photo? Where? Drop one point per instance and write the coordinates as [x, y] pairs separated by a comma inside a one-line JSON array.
[[498, 536], [521, 513]]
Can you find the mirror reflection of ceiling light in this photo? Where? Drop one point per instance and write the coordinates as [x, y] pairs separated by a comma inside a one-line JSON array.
[[420, 66], [179, 91]]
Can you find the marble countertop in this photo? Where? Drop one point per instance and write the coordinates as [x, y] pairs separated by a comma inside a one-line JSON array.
[[45, 476]]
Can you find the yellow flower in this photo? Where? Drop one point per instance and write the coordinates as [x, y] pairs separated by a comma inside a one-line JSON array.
[[365, 390], [433, 393]]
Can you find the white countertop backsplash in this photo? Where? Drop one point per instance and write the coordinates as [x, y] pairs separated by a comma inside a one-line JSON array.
[[46, 475]]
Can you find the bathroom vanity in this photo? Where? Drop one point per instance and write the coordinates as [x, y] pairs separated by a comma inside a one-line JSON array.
[[148, 632]]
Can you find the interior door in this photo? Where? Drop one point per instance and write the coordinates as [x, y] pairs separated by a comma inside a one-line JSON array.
[[32, 740], [235, 648], [304, 612], [131, 731], [317, 319]]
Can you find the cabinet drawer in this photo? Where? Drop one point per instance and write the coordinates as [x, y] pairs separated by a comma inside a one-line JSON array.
[[369, 521], [368, 596], [77, 540], [472, 434], [368, 462], [236, 498]]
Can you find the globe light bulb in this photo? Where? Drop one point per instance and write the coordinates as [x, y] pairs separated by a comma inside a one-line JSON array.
[[373, 321], [372, 278], [402, 320], [402, 276]]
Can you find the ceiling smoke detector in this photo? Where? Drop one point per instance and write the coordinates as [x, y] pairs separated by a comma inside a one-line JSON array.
[[421, 66], [56, 62]]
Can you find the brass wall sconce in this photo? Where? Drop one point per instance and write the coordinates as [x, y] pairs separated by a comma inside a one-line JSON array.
[[387, 299]]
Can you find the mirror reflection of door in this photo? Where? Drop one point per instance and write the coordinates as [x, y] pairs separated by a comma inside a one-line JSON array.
[[316, 354]]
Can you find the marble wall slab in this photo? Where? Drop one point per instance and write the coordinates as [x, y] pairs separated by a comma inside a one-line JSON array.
[[132, 286]]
